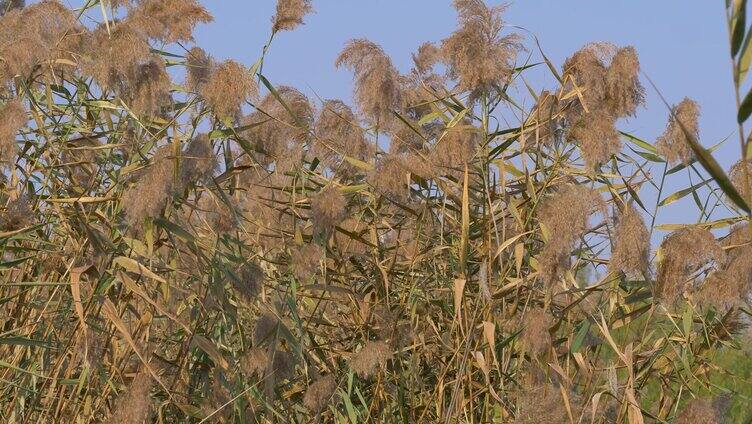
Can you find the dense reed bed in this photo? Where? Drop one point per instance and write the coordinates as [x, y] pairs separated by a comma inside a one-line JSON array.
[[185, 241]]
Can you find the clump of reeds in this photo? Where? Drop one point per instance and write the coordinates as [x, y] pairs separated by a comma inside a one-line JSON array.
[[455, 244]]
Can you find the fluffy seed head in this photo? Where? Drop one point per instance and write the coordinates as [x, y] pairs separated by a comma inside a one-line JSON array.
[[17, 214], [157, 184], [328, 208], [282, 366], [134, 405], [624, 91], [739, 179], [730, 285], [199, 65], [477, 55], [700, 411], [373, 354], [198, 160], [588, 68], [305, 261], [280, 131], [376, 80], [12, 118], [169, 20], [290, 14], [265, 329], [543, 403], [426, 57], [148, 89], [229, 85], [32, 35], [673, 143], [338, 134], [390, 177], [150, 194], [254, 361], [565, 216], [248, 281], [631, 243], [546, 114], [455, 148], [684, 252], [112, 58], [598, 137], [318, 394], [534, 335]]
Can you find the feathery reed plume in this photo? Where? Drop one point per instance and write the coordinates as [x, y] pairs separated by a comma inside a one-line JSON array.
[[455, 148], [684, 252], [389, 177], [198, 161], [730, 285], [534, 333], [111, 57], [169, 20], [30, 35], [150, 194], [319, 393], [158, 183], [265, 329], [406, 140], [254, 361], [477, 55], [624, 92], [328, 208], [248, 281], [339, 135], [281, 130], [373, 354], [607, 78], [673, 143], [305, 261], [199, 65], [376, 80], [115, 4], [17, 214], [700, 410], [739, 179], [418, 93], [281, 367], [148, 90], [134, 405], [220, 216], [8, 5], [12, 119], [546, 114], [270, 364], [290, 14], [588, 68], [598, 137], [631, 246], [426, 57], [543, 403], [565, 216], [228, 86]]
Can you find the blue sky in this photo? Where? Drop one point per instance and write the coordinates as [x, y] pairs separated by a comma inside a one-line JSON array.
[[682, 44], [683, 47]]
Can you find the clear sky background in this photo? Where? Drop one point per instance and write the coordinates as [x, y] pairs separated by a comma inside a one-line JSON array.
[[683, 47]]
